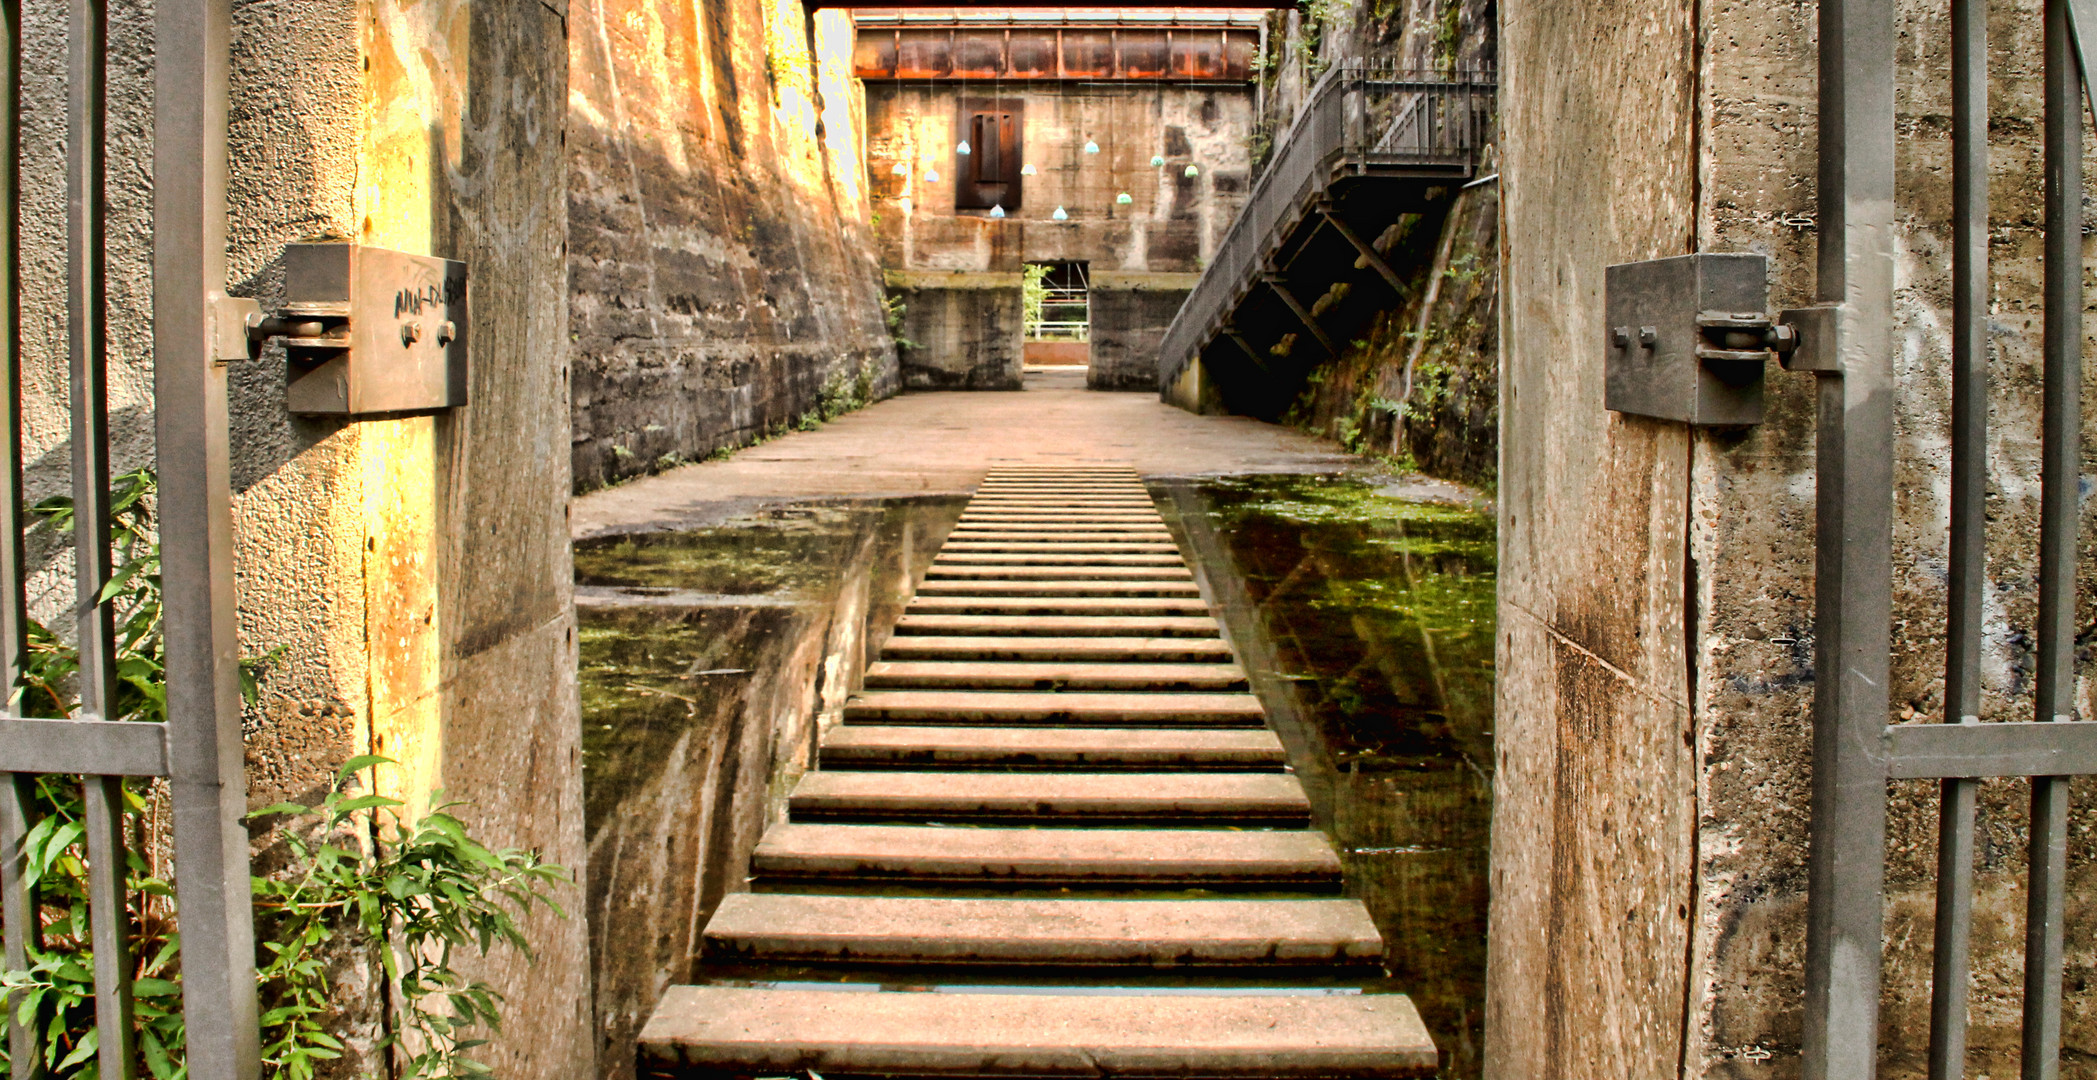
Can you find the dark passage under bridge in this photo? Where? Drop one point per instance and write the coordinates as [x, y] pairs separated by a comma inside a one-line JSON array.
[[1303, 269]]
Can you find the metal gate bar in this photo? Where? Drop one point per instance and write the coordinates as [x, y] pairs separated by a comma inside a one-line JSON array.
[[1855, 750], [199, 748]]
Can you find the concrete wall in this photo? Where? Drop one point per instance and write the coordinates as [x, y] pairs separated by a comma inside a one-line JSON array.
[[413, 571], [1170, 227], [960, 330], [1656, 599], [721, 272], [417, 569], [1130, 314]]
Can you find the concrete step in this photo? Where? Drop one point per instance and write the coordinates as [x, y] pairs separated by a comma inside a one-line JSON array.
[[1060, 625], [1045, 547], [1103, 649], [944, 572], [947, 559], [974, 707], [1002, 535], [1058, 605], [777, 1032], [969, 528], [1022, 587], [1116, 798], [1120, 484], [891, 674], [933, 929], [848, 746], [1034, 517], [1060, 504], [1151, 858], [1055, 504]]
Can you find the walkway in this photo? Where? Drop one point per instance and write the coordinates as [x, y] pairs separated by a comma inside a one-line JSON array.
[[941, 443], [1055, 766]]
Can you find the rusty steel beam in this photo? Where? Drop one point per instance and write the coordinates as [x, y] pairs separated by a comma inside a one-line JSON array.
[[1034, 5], [1368, 252], [1303, 314]]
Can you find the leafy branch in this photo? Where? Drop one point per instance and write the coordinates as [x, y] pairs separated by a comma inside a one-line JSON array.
[[415, 894]]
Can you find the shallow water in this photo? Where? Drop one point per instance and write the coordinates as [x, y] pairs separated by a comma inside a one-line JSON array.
[[1366, 623]]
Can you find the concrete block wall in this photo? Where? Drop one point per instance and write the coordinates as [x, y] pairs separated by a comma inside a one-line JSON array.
[[722, 275], [960, 330], [1130, 314]]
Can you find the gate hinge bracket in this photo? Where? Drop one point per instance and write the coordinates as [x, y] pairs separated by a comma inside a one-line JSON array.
[[1819, 336], [1690, 337], [230, 317]]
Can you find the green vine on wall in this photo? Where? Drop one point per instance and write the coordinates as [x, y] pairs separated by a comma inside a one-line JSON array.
[[416, 895]]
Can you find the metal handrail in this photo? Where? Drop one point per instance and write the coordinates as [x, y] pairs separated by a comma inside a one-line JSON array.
[[1361, 115]]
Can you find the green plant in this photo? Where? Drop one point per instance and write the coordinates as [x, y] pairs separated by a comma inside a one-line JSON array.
[[892, 310], [1448, 33], [1033, 296], [429, 887], [418, 893]]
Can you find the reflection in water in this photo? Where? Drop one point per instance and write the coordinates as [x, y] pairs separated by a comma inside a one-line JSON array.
[[709, 659], [1366, 623]]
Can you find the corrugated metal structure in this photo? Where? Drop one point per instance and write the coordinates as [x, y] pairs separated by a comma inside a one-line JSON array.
[[1041, 45]]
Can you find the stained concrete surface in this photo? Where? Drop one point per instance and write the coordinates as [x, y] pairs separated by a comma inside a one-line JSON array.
[[941, 443]]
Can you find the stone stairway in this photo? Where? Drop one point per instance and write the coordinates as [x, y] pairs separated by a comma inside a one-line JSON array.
[[1057, 806]]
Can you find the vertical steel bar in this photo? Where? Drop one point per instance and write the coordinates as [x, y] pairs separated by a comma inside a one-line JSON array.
[[2060, 452], [108, 924], [1950, 954], [1853, 585], [14, 604], [208, 793], [18, 911], [1950, 961], [87, 352]]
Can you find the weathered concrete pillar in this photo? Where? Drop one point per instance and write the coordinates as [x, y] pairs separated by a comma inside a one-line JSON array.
[[414, 570], [1656, 654]]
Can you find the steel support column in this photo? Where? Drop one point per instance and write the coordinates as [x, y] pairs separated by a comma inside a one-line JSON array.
[[1303, 314], [1368, 252], [1854, 542], [209, 796]]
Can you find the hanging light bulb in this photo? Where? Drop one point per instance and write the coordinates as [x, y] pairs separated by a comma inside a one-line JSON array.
[[961, 147], [1060, 215], [1091, 147], [1124, 199], [931, 176], [1027, 169], [1193, 170], [899, 169], [998, 211], [1157, 161]]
